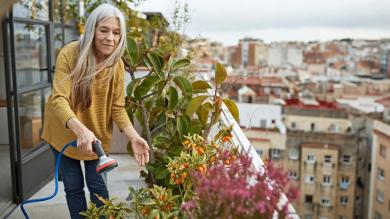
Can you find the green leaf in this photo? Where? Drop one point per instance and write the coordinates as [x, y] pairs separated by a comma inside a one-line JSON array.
[[162, 173], [145, 86], [196, 127], [132, 51], [154, 113], [154, 61], [173, 97], [138, 115], [182, 127], [231, 105], [216, 117], [130, 87], [180, 64], [220, 74], [200, 85], [203, 114], [194, 104], [208, 106], [185, 86], [170, 114]]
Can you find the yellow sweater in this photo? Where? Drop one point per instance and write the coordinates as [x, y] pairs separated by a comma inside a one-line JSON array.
[[107, 105]]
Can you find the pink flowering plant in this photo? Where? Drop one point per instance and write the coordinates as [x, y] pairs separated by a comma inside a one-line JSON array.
[[238, 191]]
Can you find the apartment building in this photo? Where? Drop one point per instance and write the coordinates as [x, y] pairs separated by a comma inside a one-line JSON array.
[[379, 196], [379, 200], [250, 52], [321, 155]]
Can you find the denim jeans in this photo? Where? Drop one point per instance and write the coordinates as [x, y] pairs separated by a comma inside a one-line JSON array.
[[73, 179]]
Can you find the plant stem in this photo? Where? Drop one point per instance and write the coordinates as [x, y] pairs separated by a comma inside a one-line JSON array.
[[148, 133]]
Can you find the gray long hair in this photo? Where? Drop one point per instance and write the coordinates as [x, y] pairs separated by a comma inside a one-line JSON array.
[[85, 69]]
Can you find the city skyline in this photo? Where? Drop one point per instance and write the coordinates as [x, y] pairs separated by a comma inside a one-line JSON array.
[[278, 20]]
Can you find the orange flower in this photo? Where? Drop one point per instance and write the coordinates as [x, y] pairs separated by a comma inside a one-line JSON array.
[[200, 151]]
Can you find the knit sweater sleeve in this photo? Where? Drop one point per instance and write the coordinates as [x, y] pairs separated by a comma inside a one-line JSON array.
[[118, 112], [62, 84]]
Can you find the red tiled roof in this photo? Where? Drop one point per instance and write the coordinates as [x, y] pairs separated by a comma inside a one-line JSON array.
[[272, 81], [322, 104], [384, 101], [243, 81]]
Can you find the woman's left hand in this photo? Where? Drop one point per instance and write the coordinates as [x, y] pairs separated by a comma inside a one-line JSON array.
[[140, 149]]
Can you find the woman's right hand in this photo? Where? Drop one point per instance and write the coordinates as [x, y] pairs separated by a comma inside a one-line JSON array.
[[85, 140], [85, 137]]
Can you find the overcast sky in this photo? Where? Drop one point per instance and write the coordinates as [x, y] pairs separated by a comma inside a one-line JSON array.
[[278, 20]]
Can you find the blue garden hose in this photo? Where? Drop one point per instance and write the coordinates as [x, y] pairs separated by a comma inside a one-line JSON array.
[[58, 160]]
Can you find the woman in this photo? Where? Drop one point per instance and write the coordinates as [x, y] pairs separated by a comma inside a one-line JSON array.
[[87, 96]]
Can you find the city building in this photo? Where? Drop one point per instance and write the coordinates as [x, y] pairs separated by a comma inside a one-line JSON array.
[[284, 54], [322, 152], [250, 52], [379, 199], [379, 195]]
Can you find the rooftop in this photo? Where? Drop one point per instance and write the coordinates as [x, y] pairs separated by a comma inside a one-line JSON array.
[[296, 103]]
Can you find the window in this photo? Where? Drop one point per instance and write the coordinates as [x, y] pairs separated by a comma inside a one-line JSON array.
[[325, 202], [381, 174], [327, 180], [327, 159], [382, 151], [389, 205], [263, 123], [259, 152], [292, 174], [294, 125], [344, 183], [334, 128], [275, 153], [377, 215], [310, 158], [312, 126], [346, 159], [309, 179], [345, 179], [293, 154], [308, 199], [380, 196], [343, 200]]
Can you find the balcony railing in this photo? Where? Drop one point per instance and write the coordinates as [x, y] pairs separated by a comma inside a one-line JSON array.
[[240, 139]]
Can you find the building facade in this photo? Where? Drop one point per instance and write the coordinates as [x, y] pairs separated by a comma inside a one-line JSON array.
[[379, 196], [322, 156]]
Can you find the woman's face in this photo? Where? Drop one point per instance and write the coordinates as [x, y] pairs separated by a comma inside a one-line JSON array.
[[107, 35]]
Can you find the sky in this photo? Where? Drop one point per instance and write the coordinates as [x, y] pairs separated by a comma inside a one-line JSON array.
[[227, 21]]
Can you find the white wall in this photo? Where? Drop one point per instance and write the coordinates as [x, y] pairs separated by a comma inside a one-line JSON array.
[[252, 115], [295, 56], [275, 56]]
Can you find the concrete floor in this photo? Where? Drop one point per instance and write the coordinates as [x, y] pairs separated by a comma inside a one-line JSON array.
[[119, 180]]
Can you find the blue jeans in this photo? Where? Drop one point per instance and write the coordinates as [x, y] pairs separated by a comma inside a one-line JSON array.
[[73, 179]]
